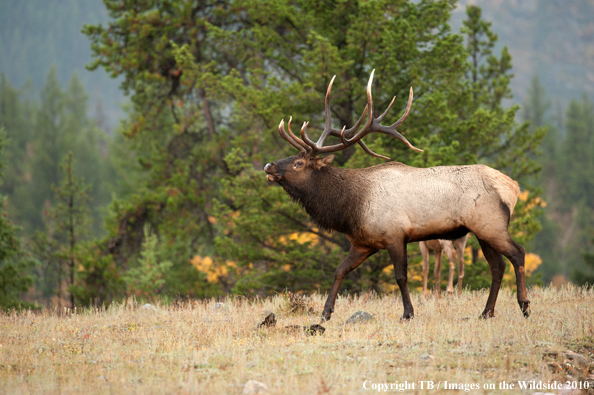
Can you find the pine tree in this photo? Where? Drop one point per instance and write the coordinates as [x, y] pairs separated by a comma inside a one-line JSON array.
[[146, 279], [536, 110], [67, 227], [15, 263], [211, 80], [17, 115]]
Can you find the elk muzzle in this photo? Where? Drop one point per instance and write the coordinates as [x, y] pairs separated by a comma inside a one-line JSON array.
[[270, 170]]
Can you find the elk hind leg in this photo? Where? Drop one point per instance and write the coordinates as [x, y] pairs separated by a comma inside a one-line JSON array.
[[497, 266], [516, 255], [355, 257]]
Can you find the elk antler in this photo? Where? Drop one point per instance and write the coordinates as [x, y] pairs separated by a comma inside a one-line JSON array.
[[308, 147]]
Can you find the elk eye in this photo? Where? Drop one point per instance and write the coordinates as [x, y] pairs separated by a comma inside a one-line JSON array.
[[298, 164]]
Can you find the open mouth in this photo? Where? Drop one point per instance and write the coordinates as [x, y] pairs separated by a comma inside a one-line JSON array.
[[269, 174]]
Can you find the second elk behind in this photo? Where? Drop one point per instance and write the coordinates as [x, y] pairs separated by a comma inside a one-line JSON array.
[[451, 249]]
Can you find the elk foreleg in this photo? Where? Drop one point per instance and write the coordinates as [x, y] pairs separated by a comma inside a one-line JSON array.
[[399, 260], [497, 266], [425, 255], [356, 256]]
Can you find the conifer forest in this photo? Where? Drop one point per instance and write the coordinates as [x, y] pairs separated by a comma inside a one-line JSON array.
[[133, 136]]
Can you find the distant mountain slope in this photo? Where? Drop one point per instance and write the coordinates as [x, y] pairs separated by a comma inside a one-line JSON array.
[[36, 34], [551, 38]]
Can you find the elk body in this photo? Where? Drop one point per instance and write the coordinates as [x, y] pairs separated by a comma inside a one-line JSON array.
[[390, 205], [454, 251]]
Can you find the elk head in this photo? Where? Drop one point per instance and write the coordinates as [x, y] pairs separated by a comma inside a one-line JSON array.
[[297, 168]]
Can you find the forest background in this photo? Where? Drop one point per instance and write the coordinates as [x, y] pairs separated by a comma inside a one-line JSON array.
[[134, 134]]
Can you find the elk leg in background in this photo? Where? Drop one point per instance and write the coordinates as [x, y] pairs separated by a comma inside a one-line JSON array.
[[356, 256], [450, 253], [460, 245], [437, 271], [399, 260], [425, 255], [497, 266]]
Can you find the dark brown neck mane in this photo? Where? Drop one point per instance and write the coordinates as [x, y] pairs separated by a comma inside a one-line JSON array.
[[333, 198]]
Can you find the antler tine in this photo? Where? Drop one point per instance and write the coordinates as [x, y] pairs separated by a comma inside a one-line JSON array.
[[370, 152], [342, 136], [328, 129], [283, 133], [349, 132], [312, 146], [295, 138], [362, 144], [373, 124], [408, 106], [387, 109], [369, 100]]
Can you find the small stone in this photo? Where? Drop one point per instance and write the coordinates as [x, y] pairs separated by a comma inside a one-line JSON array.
[[253, 387], [578, 359], [219, 306], [359, 316], [426, 357], [268, 322], [149, 307], [314, 330], [102, 378]]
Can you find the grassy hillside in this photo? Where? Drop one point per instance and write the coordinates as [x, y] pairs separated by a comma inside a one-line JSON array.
[[198, 347]]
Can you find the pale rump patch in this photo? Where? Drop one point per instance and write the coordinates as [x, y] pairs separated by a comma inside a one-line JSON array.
[[508, 189]]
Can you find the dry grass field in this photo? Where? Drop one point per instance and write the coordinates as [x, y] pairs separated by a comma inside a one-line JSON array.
[[200, 348]]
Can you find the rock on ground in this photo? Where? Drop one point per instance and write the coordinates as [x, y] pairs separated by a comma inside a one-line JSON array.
[[149, 307], [253, 387], [359, 316], [579, 359], [268, 322]]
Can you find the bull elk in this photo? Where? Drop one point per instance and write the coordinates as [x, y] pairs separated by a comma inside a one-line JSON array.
[[389, 205], [452, 248]]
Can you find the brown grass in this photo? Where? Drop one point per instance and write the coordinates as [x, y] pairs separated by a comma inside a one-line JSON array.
[[197, 348]]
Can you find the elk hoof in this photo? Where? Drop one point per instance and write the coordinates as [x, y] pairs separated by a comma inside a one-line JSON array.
[[487, 314], [327, 314], [525, 306], [407, 316]]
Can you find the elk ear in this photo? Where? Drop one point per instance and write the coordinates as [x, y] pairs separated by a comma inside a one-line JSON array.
[[325, 161]]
